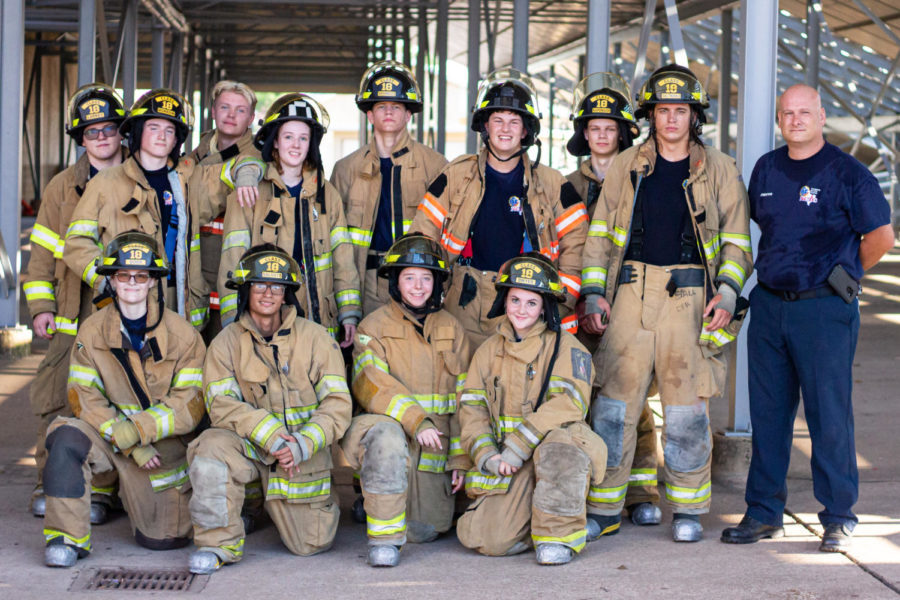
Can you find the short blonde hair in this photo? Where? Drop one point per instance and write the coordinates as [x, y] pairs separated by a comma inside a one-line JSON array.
[[226, 85]]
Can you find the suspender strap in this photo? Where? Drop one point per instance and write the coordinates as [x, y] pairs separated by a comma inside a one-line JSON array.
[[397, 197], [122, 356], [635, 249], [309, 263], [593, 192]]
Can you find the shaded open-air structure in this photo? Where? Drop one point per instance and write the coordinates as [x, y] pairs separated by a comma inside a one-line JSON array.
[[746, 52]]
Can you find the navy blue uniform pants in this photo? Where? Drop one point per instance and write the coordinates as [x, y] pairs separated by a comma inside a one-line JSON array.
[[808, 346]]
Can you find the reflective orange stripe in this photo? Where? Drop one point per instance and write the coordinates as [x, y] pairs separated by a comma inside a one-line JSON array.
[[433, 210], [213, 301], [552, 252], [215, 227], [572, 283], [453, 244], [570, 219], [570, 324]]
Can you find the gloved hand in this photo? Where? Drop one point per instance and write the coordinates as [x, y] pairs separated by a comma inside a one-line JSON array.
[[490, 465], [125, 434], [143, 454], [299, 448], [729, 298], [511, 458]]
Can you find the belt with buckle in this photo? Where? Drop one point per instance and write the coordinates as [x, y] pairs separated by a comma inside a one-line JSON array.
[[791, 296]]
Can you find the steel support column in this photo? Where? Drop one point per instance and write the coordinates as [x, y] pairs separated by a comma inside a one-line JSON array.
[[725, 55], [176, 63], [646, 28], [87, 35], [129, 52], [441, 48], [756, 132], [520, 35], [474, 53], [158, 57], [421, 53], [675, 39], [813, 29], [598, 36], [12, 67]]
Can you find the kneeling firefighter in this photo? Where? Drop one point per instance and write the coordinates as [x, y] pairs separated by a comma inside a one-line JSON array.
[[134, 388], [277, 399], [410, 357], [522, 418]]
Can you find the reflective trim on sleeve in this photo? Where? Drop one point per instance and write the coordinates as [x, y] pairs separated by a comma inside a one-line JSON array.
[[482, 441], [224, 387], [85, 227], [437, 404], [733, 271], [572, 283], [360, 237], [188, 377], [460, 382], [712, 247], [432, 463], [398, 406], [264, 430], [331, 384], [560, 385], [89, 276], [570, 219], [322, 262], [593, 277], [86, 376], [199, 316], [570, 324], [165, 420], [67, 326], [456, 448], [598, 228], [474, 398], [530, 437], [349, 297], [453, 244], [38, 290], [298, 415], [315, 434], [738, 239], [508, 424], [45, 237], [339, 235], [717, 338], [476, 480], [433, 210], [368, 359]]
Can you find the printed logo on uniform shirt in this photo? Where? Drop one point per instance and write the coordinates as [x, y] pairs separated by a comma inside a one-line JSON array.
[[167, 198], [765, 194], [515, 204], [808, 195]]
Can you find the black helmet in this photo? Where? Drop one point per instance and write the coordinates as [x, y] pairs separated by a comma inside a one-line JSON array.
[[414, 250], [672, 84], [133, 250], [533, 272], [389, 81], [93, 103], [292, 107], [601, 95], [161, 103], [266, 264], [512, 90]]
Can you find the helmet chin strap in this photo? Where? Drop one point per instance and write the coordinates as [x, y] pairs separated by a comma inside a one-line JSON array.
[[487, 144]]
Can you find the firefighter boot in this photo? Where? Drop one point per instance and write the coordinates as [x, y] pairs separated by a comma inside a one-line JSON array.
[[383, 555], [686, 528], [553, 554]]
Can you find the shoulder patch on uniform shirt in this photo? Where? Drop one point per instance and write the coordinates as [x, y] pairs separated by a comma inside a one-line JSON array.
[[581, 365], [568, 195], [437, 186], [363, 339]]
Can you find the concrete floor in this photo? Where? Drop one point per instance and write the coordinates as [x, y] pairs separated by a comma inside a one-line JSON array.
[[637, 563]]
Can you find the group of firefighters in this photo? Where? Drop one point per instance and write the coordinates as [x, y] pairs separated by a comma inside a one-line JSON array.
[[500, 325]]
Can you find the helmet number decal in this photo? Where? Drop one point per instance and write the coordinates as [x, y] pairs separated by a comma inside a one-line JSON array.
[[671, 88]]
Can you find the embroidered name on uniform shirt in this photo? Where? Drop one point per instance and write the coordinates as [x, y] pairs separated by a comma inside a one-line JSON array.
[[765, 194], [809, 195]]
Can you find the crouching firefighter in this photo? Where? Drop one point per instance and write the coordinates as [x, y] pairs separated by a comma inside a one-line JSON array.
[[522, 418], [410, 357], [135, 391], [277, 399]]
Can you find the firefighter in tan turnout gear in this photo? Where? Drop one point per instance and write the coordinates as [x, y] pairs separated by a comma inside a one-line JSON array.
[[57, 298], [148, 192], [669, 249], [488, 207], [233, 107], [383, 182], [522, 417], [277, 400], [604, 126], [135, 391], [410, 358], [300, 212]]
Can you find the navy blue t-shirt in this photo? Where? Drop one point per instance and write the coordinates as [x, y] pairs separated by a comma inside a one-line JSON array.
[[297, 252], [382, 236], [499, 228], [159, 181], [665, 212], [135, 329], [812, 213]]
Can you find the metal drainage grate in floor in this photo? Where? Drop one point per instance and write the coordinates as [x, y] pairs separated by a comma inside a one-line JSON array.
[[139, 580]]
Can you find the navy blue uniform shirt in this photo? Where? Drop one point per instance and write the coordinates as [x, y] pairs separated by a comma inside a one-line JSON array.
[[499, 228], [383, 236], [812, 213], [665, 213], [159, 181]]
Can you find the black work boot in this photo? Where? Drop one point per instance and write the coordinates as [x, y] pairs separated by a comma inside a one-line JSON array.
[[749, 530]]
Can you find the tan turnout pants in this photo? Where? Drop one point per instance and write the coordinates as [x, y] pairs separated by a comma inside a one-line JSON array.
[[545, 499], [402, 501], [306, 517], [654, 334], [156, 500]]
